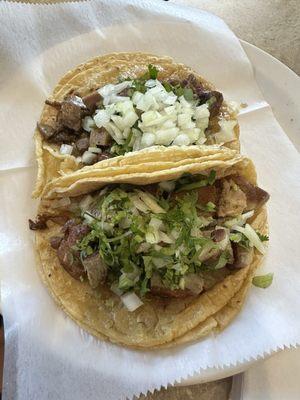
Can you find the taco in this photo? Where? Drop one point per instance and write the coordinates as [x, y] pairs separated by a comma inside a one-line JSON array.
[[125, 102], [158, 259]]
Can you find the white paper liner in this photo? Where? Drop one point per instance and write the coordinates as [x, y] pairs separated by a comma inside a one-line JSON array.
[[47, 355]]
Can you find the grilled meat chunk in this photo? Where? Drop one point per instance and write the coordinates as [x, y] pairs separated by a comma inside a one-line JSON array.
[[256, 197], [100, 137], [242, 257], [96, 269], [232, 199], [91, 100], [71, 112], [68, 257]]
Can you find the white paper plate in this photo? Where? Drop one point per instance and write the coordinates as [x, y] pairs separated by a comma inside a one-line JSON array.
[[280, 87]]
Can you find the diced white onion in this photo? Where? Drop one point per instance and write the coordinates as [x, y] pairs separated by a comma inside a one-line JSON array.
[[131, 301], [66, 149], [166, 136], [226, 134], [163, 118], [151, 83], [101, 118], [88, 158], [170, 99], [250, 234], [147, 140], [111, 89], [95, 150], [88, 123], [181, 140]]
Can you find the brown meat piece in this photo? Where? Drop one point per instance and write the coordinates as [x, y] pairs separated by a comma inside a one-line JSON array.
[[70, 260], [39, 224], [82, 144], [152, 188], [71, 112], [194, 283], [214, 98], [55, 242], [68, 225], [96, 269], [215, 101], [60, 219], [76, 233], [207, 194], [68, 257], [256, 197], [91, 100], [242, 257], [218, 235], [232, 199], [41, 221], [66, 136], [47, 131], [100, 137]]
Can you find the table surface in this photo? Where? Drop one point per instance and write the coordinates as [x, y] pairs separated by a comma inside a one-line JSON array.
[[274, 26]]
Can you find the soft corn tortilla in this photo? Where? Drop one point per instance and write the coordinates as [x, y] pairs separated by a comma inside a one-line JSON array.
[[159, 322], [149, 166], [90, 76]]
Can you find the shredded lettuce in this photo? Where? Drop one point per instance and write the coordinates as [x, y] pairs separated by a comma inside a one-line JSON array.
[[190, 182], [139, 235]]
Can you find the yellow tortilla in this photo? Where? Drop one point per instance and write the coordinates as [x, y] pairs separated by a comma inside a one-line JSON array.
[[158, 323], [149, 166], [90, 76]]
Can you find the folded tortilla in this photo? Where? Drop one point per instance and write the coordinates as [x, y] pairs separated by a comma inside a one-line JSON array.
[[91, 75], [157, 323]]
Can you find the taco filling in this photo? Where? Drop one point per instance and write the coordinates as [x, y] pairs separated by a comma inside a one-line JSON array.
[[134, 114], [171, 239]]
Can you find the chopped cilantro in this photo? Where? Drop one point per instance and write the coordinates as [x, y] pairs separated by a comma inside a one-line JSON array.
[[153, 71], [167, 86], [189, 182], [240, 238], [263, 238]]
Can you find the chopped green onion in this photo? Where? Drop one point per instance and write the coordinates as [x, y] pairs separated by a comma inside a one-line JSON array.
[[263, 281], [153, 71]]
